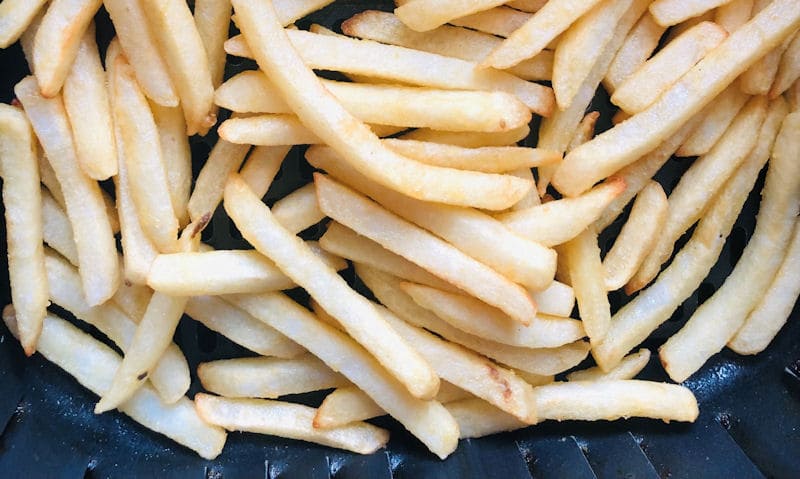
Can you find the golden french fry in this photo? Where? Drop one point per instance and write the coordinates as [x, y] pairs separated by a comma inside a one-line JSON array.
[[260, 168], [673, 12], [182, 47], [582, 256], [97, 253], [695, 190], [716, 321], [15, 17], [771, 313], [283, 419], [424, 15], [637, 236], [224, 159], [355, 312], [213, 18], [629, 140], [717, 117], [177, 156], [56, 229], [628, 368], [267, 377], [92, 364], [500, 21], [640, 43], [733, 14], [543, 27], [656, 75], [89, 110], [789, 68], [468, 139], [22, 197], [298, 210]]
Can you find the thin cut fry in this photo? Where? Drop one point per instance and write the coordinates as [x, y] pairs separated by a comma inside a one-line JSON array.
[[224, 159], [501, 21], [629, 140], [177, 156], [261, 166], [586, 277], [717, 117], [469, 139], [758, 79], [56, 229], [15, 16], [424, 15], [344, 406], [557, 300], [628, 368], [213, 18], [298, 210], [585, 130], [133, 300], [640, 43], [673, 12], [22, 198], [789, 69]]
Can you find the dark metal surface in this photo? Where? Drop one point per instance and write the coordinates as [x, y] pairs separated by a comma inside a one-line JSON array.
[[749, 426]]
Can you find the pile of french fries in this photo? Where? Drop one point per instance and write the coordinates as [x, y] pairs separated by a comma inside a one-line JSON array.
[[476, 263]]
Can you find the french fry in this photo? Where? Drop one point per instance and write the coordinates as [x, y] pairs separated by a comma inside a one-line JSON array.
[[92, 364], [558, 299], [182, 47], [656, 75], [530, 6], [500, 21], [144, 159], [89, 111], [717, 117], [224, 272], [673, 12], [559, 221], [699, 183], [219, 315], [22, 197], [58, 39], [56, 229], [585, 130], [267, 377], [260, 168], [628, 368], [282, 419], [468, 139], [213, 18], [424, 15], [654, 305], [789, 68], [414, 67], [771, 313], [298, 210], [532, 37], [447, 40], [637, 236], [177, 156], [582, 255], [716, 321], [476, 318], [758, 79], [355, 312], [427, 420], [133, 299], [476, 234], [49, 180], [267, 130], [477, 418], [609, 152], [87, 213], [28, 37], [640, 43], [15, 17], [445, 261], [224, 159], [733, 14]]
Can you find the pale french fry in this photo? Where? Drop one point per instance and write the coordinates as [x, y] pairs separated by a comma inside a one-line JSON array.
[[346, 243], [267, 377], [260, 168], [478, 418], [585, 130], [170, 378], [298, 210], [637, 236], [224, 272], [424, 15], [557, 300], [717, 117], [89, 111], [581, 46], [789, 68], [427, 420], [22, 198], [476, 318], [224, 159], [699, 183], [654, 305], [58, 39], [49, 180], [56, 229], [532, 198], [716, 321], [133, 299], [414, 67], [267, 130], [544, 361], [144, 159], [283, 419], [772, 312], [141, 49], [218, 315], [758, 79], [628, 368], [543, 27], [346, 405], [468, 139], [213, 18], [673, 12], [476, 234], [656, 75], [15, 16], [450, 41], [354, 311], [290, 10], [87, 213], [182, 47], [640, 43], [177, 156], [500, 21], [433, 254], [92, 363], [394, 105], [629, 140], [28, 37], [559, 221], [733, 14], [582, 255]]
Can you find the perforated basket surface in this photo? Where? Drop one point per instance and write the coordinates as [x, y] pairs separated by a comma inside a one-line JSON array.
[[749, 424]]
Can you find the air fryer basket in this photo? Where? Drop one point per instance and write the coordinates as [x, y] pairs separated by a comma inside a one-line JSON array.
[[749, 424]]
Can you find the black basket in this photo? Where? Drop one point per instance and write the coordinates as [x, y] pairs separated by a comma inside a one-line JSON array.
[[749, 424]]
